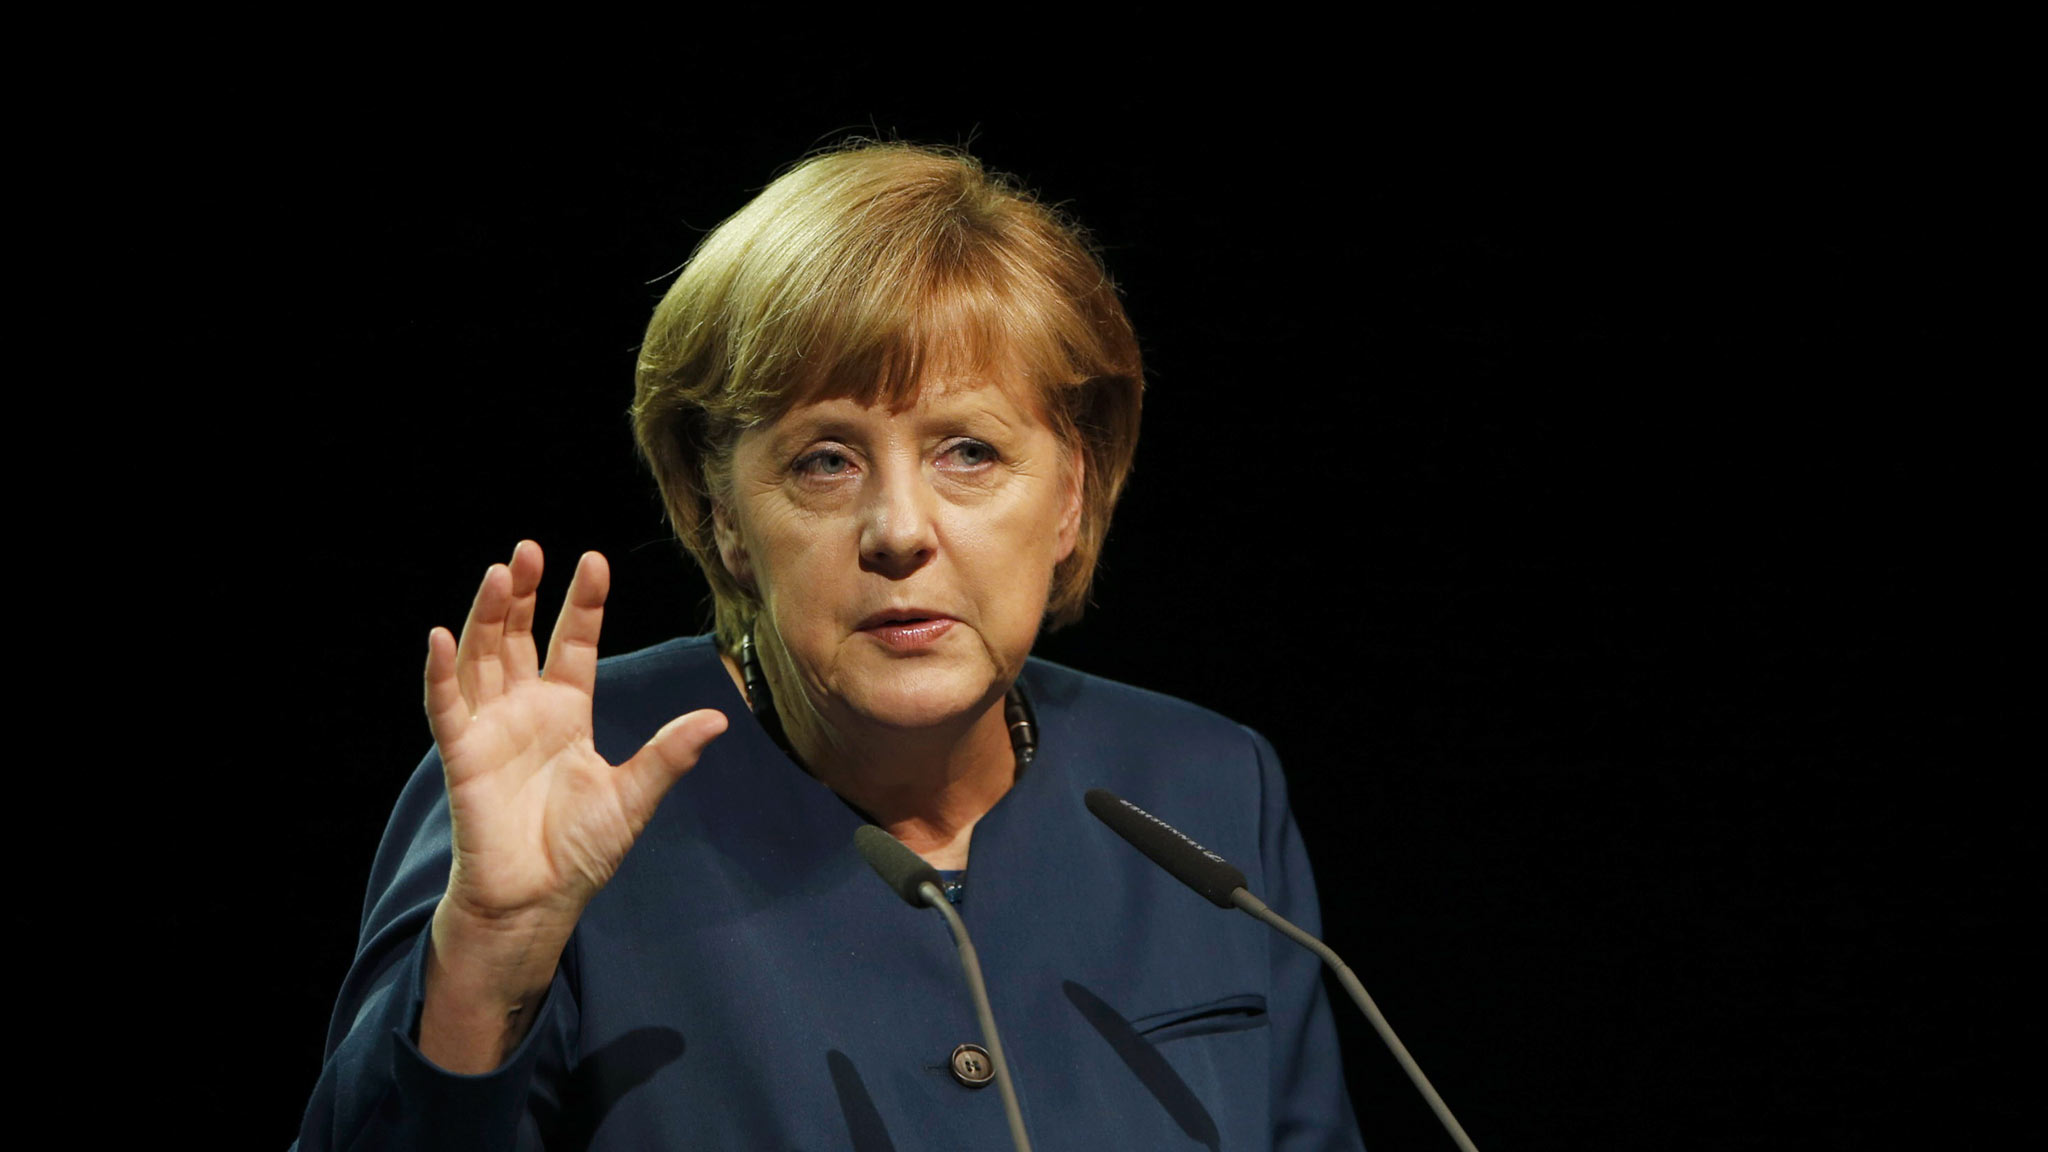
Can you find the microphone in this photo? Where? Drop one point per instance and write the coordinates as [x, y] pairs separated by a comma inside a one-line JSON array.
[[917, 882], [904, 871], [1189, 862], [1224, 886]]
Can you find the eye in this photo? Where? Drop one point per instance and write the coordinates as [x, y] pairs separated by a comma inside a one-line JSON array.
[[966, 453], [823, 462]]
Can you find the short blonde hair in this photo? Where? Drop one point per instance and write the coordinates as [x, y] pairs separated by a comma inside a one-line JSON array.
[[849, 276]]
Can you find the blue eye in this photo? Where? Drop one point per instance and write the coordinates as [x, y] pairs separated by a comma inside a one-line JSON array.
[[972, 453], [824, 462]]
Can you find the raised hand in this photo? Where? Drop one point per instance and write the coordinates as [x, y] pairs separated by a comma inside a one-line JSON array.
[[540, 821]]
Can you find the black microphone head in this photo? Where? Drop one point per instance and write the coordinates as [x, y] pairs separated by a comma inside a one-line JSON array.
[[1190, 863], [903, 870]]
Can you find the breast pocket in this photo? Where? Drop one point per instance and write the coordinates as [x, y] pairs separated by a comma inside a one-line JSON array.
[[1229, 1014]]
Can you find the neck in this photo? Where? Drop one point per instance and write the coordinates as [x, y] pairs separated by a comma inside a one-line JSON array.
[[927, 786]]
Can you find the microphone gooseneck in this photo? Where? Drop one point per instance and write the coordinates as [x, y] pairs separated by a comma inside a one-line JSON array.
[[917, 882], [1224, 886]]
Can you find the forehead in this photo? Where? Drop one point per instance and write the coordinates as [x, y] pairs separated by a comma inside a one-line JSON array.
[[907, 374], [939, 342], [941, 399]]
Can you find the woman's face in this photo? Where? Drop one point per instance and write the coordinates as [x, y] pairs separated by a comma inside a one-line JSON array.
[[902, 558]]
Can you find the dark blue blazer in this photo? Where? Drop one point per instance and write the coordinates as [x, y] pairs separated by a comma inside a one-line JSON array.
[[746, 982]]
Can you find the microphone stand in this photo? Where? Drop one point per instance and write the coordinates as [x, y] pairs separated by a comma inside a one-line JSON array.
[[1224, 886], [937, 899], [916, 883], [1256, 908]]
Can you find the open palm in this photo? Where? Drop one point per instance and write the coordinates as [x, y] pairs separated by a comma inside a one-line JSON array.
[[540, 820]]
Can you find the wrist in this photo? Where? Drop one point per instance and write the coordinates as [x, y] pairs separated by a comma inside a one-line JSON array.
[[486, 980], [510, 957]]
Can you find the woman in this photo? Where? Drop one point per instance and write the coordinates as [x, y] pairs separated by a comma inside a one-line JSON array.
[[890, 405]]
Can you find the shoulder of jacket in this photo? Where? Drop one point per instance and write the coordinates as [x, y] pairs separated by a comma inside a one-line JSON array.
[[657, 660], [1071, 697]]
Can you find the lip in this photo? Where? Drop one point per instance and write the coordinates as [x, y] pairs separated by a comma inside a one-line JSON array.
[[907, 629]]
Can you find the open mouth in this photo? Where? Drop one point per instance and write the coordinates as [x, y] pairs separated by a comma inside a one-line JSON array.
[[902, 617]]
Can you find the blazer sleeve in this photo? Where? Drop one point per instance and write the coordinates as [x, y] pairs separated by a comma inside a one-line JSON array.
[[376, 1090], [1311, 1108]]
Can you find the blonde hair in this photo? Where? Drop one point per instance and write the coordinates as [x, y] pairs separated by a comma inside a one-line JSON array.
[[848, 277]]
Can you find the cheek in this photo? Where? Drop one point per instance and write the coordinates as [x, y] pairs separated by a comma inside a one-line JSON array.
[[1015, 554], [783, 541], [796, 571]]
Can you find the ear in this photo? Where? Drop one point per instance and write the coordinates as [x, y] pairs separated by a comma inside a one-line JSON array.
[[732, 550], [1070, 515]]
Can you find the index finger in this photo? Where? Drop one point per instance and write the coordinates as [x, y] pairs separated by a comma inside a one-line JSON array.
[[572, 650]]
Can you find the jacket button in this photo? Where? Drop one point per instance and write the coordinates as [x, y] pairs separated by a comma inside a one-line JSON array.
[[972, 1067]]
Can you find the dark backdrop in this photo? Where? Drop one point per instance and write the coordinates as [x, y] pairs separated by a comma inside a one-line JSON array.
[[1582, 483]]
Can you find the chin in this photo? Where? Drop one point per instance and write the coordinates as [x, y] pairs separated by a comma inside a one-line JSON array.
[[913, 698]]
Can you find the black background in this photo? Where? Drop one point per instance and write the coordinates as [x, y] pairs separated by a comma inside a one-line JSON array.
[[1587, 482]]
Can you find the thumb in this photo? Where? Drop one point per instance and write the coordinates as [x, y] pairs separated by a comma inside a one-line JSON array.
[[663, 760]]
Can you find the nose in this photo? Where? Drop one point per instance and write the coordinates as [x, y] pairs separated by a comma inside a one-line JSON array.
[[898, 527]]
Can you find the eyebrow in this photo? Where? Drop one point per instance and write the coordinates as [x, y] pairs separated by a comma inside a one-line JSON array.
[[964, 402], [792, 433], [808, 424]]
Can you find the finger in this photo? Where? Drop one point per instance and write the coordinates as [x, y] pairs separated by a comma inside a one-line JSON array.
[[447, 711], [572, 651], [663, 760], [477, 664], [521, 658]]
